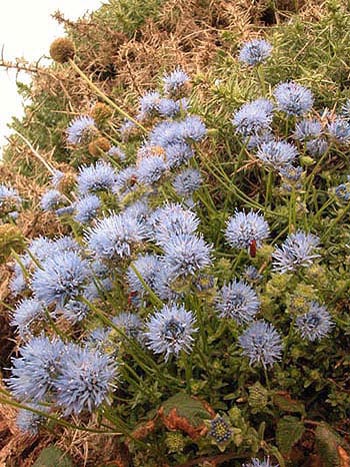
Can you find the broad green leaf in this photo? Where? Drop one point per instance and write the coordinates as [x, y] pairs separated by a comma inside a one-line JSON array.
[[289, 431]]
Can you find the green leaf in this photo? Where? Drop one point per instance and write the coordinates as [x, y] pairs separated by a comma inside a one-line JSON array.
[[53, 457], [289, 431], [334, 451], [187, 407], [285, 403]]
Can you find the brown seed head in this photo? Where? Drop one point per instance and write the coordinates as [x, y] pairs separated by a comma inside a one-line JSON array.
[[62, 49], [100, 112], [99, 146]]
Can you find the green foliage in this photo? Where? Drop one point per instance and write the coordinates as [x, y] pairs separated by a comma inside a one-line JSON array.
[[289, 431], [53, 457]]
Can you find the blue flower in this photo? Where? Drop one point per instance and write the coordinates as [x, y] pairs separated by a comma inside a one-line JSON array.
[[149, 103], [26, 313], [343, 190], [187, 182], [186, 254], [126, 180], [33, 373], [243, 229], [255, 51], [65, 211], [56, 178], [220, 431], [100, 176], [293, 99], [86, 208], [138, 210], [114, 236], [237, 301], [178, 154], [254, 118], [8, 194], [127, 129], [172, 219], [148, 266], [51, 200], [339, 130], [317, 147], [261, 343], [28, 421], [74, 310], [299, 249], [130, 324], [260, 463], [170, 331], [307, 129], [175, 82], [291, 174], [85, 380], [62, 244], [315, 324], [252, 274], [163, 286], [345, 110], [60, 278], [169, 107], [277, 154], [165, 133], [193, 129], [151, 169], [80, 128], [117, 153]]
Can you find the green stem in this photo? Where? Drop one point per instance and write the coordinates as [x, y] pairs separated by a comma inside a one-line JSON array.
[[104, 97]]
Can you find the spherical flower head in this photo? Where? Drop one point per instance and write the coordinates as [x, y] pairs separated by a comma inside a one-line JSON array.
[[291, 173], [168, 108], [220, 431], [138, 210], [193, 129], [178, 154], [317, 147], [165, 133], [60, 278], [170, 331], [345, 110], [75, 310], [62, 50], [29, 422], [27, 312], [293, 99], [186, 254], [252, 274], [175, 82], [62, 244], [298, 250], [33, 373], [126, 180], [307, 129], [117, 153], [172, 219], [261, 343], [187, 182], [87, 208], [243, 229], [277, 154], [99, 146], [130, 324], [315, 324], [151, 169], [343, 191], [114, 236], [81, 129], [253, 118], [127, 130], [254, 52], [8, 194], [260, 463], [163, 286], [149, 103], [51, 200], [97, 177], [237, 301], [85, 380], [339, 130], [148, 266]]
